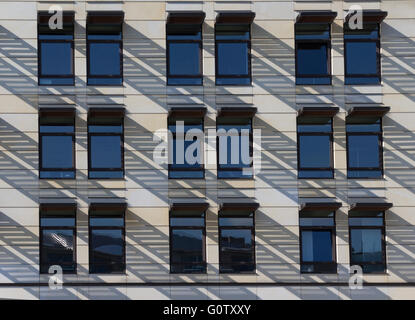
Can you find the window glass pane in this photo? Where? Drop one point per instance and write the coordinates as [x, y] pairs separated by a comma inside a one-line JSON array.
[[367, 174], [375, 126], [56, 58], [369, 31], [232, 58], [186, 240], [363, 151], [57, 152], [231, 222], [187, 222], [106, 152], [185, 81], [236, 250], [184, 58], [57, 249], [366, 221], [361, 58], [107, 221], [314, 127], [104, 58], [233, 81], [107, 251], [234, 146], [60, 129], [312, 31], [105, 129], [362, 80], [232, 32], [57, 221], [366, 245], [308, 222], [315, 151], [312, 59], [316, 246]]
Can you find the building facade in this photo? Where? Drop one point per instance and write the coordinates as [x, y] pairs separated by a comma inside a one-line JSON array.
[[329, 105]]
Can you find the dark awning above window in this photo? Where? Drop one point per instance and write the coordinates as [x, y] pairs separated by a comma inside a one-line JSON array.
[[43, 17], [242, 112], [105, 17], [187, 112], [57, 112], [370, 206], [114, 113], [189, 206], [320, 206], [233, 17], [54, 208], [370, 16], [186, 17], [368, 111], [316, 16], [108, 208], [318, 111], [238, 207]]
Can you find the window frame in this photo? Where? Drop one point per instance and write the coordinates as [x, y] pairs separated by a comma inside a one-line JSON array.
[[251, 153], [378, 73], [173, 135], [123, 231], [380, 148], [253, 244], [331, 137], [383, 243], [329, 74], [332, 263], [171, 228], [238, 76], [74, 243], [168, 57], [108, 134], [39, 57], [64, 134]]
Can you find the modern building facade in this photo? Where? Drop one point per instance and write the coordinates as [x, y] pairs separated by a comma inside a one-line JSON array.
[[325, 102]]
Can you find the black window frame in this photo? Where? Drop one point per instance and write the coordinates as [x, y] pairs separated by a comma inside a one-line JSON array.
[[104, 112], [378, 74], [380, 147], [246, 211], [190, 114], [320, 267], [105, 18], [383, 244], [169, 41], [57, 206], [331, 137], [199, 211], [103, 207], [68, 29], [59, 113], [327, 42]]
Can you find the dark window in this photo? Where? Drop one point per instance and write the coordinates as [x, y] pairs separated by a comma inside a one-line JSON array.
[[107, 238], [187, 242], [362, 54], [233, 54], [312, 42], [367, 240], [234, 141], [104, 50], [184, 54], [186, 155], [315, 147], [55, 51], [236, 242], [364, 147], [318, 242], [57, 144], [106, 144], [57, 237]]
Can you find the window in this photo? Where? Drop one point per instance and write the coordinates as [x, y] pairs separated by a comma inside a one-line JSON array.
[[364, 147], [55, 51], [106, 143], [57, 143], [187, 239], [233, 48], [107, 238], [315, 147], [318, 241], [235, 142], [184, 48], [313, 58], [186, 144], [367, 240], [57, 237], [104, 48], [236, 240]]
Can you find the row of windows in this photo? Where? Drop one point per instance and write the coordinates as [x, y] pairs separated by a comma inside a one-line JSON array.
[[184, 51], [188, 239], [234, 140]]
